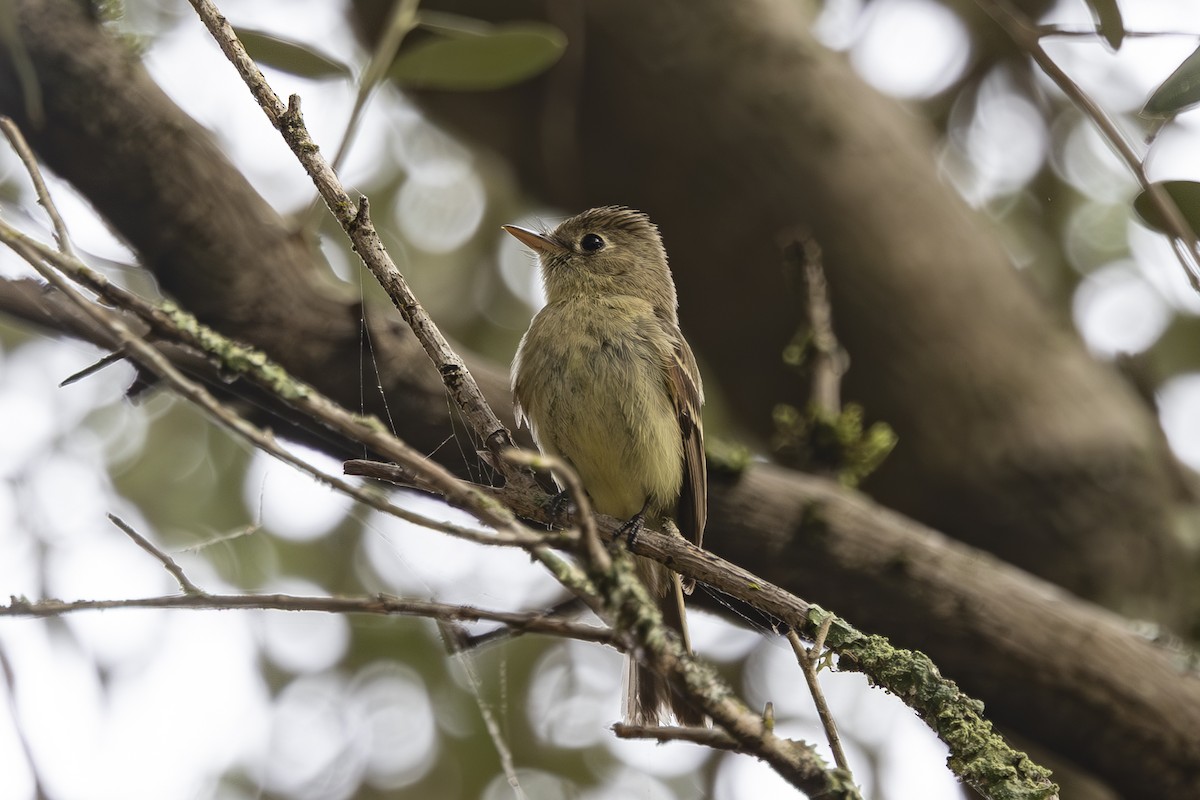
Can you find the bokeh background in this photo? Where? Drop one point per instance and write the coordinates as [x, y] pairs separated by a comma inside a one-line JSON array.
[[187, 704]]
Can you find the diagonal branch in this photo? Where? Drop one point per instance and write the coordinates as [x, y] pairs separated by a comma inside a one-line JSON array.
[[355, 220], [1027, 36], [18, 143], [185, 583]]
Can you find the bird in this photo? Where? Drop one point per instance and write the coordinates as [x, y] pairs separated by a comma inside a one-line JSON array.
[[606, 381]]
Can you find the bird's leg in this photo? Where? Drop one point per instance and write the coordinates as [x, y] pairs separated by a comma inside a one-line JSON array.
[[630, 530], [559, 507]]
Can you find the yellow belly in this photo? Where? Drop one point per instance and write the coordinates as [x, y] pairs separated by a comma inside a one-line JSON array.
[[604, 407]]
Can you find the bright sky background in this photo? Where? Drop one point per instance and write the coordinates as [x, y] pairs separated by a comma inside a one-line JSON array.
[[158, 705]]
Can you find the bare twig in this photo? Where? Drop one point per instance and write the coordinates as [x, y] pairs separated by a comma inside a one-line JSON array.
[[381, 605], [1095, 34], [383, 471], [485, 711], [828, 367], [809, 659], [17, 141], [176, 571], [229, 536], [1028, 37], [10, 683], [828, 363], [396, 475], [472, 641], [355, 220], [401, 22], [709, 737]]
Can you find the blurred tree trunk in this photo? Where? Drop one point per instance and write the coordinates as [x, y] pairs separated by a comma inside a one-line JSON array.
[[733, 129]]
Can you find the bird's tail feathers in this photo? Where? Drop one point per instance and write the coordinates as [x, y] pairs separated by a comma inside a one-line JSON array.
[[648, 696]]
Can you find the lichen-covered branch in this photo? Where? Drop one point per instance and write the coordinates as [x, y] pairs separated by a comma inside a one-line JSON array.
[[978, 754]]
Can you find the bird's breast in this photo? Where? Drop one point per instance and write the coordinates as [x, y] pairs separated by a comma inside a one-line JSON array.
[[592, 385]]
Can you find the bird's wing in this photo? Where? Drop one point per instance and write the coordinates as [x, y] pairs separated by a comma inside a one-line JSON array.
[[687, 394]]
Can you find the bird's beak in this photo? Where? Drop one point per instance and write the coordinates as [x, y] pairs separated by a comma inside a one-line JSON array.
[[538, 242]]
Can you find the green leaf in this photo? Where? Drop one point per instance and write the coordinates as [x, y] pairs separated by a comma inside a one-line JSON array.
[[1108, 19], [1177, 93], [1186, 195], [290, 57], [451, 24], [499, 56]]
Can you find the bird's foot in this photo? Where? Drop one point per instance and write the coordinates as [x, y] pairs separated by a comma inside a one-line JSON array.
[[630, 530], [559, 507]]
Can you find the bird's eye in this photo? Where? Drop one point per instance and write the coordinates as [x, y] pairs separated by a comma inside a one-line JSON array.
[[591, 242]]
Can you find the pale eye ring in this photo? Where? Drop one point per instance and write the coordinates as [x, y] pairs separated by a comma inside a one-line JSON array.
[[591, 242]]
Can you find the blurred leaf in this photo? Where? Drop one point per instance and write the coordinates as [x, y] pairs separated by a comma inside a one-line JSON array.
[[1186, 195], [291, 57], [1108, 19], [450, 24], [1177, 93], [490, 58], [22, 64]]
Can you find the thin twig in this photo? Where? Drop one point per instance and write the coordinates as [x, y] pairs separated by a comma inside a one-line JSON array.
[[809, 658], [10, 683], [828, 363], [709, 737], [355, 220], [827, 366], [401, 22], [176, 571], [397, 475], [380, 605], [1095, 34], [21, 147], [1028, 37], [488, 715], [474, 641]]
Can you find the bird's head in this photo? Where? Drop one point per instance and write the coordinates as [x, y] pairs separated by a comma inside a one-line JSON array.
[[611, 250]]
